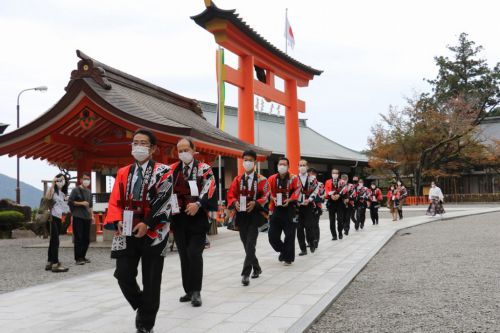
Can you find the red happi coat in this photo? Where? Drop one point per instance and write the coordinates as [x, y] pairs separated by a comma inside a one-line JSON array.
[[374, 196], [309, 190], [293, 188], [261, 197], [157, 198], [205, 179]]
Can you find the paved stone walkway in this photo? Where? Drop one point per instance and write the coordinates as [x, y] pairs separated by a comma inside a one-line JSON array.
[[282, 299]]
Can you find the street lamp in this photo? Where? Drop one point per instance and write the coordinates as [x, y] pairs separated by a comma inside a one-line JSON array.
[[18, 188]]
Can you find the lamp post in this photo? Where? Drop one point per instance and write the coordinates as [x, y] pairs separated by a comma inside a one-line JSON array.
[[18, 188]]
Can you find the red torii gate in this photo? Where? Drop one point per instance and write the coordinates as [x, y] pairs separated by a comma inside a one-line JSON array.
[[255, 52]]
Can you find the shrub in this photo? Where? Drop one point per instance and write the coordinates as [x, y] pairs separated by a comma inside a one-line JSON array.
[[10, 220]]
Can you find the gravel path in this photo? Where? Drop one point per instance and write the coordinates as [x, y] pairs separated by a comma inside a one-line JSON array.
[[23, 267], [437, 277]]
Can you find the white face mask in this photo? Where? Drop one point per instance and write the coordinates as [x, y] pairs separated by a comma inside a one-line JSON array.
[[186, 157], [248, 165], [335, 175], [433, 186], [282, 169], [312, 176], [86, 182], [360, 184], [302, 170], [60, 183], [140, 153]]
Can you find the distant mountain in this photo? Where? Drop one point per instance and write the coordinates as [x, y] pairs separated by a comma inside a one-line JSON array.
[[30, 195]]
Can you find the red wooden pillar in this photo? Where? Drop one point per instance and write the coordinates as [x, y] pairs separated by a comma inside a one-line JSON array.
[[245, 103], [292, 126], [84, 164]]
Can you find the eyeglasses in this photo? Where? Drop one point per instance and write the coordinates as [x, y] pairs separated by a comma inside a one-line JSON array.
[[141, 143]]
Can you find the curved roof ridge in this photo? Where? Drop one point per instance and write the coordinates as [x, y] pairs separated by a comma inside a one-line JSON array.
[[212, 11]]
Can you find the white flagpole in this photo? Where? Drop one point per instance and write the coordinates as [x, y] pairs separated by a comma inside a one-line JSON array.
[[286, 31]]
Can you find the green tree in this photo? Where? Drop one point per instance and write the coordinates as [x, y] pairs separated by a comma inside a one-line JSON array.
[[434, 135]]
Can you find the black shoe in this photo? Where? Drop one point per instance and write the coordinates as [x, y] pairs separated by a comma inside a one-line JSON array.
[[340, 235], [313, 248], [245, 280], [80, 262], [185, 298], [196, 299], [280, 258], [346, 232], [48, 266], [303, 253], [144, 330], [315, 242], [87, 261], [357, 229], [256, 273], [334, 238]]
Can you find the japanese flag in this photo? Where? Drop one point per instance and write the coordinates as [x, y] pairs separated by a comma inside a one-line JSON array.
[[289, 34]]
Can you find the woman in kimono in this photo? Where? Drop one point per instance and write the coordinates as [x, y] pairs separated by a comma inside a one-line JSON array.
[[436, 199]]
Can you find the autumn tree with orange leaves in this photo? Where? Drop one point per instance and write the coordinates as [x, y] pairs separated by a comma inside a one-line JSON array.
[[435, 134]]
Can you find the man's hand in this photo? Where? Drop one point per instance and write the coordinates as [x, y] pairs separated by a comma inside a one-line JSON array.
[[250, 206], [286, 202], [119, 228], [237, 206], [84, 203], [192, 209], [140, 230]]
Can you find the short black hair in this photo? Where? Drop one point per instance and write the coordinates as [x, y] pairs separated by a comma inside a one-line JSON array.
[[284, 159], [85, 174], [250, 153], [188, 139], [148, 133], [312, 170]]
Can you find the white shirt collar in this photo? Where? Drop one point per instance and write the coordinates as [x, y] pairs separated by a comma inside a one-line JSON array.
[[190, 164], [143, 166]]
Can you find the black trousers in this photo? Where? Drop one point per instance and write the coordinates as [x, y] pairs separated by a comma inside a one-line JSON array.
[[346, 213], [55, 231], [360, 217], [248, 225], [190, 233], [335, 217], [146, 301], [400, 210], [81, 234], [353, 210], [317, 215], [374, 214], [306, 227], [281, 221]]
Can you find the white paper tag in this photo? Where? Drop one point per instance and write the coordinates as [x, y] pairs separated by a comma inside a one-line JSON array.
[[128, 220], [194, 188], [243, 203], [279, 199], [175, 204]]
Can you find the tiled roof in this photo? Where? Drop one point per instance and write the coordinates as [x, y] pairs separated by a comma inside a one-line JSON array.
[[270, 134]]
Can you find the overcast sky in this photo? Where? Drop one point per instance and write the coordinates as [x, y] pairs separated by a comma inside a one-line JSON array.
[[373, 53]]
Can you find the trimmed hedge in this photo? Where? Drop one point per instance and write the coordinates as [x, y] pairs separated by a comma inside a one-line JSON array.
[[9, 220]]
